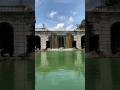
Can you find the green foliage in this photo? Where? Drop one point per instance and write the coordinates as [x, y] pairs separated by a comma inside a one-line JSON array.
[[82, 25]]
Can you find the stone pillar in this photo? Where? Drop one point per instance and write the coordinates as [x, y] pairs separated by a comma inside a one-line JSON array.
[[44, 38], [19, 41], [105, 41], [78, 40]]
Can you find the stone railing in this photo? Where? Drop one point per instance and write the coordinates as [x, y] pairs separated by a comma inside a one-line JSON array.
[[41, 29], [52, 30]]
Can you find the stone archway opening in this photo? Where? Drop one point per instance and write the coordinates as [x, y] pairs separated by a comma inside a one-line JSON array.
[[83, 41], [115, 37], [37, 42], [94, 43], [74, 44], [6, 39], [61, 41], [30, 43], [48, 43]]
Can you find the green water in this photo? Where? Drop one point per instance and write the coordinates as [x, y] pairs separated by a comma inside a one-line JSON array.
[[16, 74], [102, 74], [60, 71]]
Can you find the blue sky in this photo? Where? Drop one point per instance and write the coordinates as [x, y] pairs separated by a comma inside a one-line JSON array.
[[59, 14]]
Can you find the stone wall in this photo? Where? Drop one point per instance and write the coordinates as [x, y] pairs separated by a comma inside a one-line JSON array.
[[102, 23], [44, 35], [22, 23]]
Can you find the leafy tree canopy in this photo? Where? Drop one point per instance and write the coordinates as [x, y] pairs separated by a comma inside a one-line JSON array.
[[82, 25]]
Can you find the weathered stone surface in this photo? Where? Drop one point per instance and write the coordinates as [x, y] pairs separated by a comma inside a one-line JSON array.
[[102, 20], [21, 21], [44, 35]]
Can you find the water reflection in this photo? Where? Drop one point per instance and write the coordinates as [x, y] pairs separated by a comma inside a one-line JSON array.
[[102, 74], [79, 58], [60, 70], [16, 74], [44, 61]]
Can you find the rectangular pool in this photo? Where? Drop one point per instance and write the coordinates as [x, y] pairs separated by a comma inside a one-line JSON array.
[[60, 70]]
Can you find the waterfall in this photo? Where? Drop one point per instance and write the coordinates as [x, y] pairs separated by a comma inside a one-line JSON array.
[[68, 41], [57, 41], [54, 41]]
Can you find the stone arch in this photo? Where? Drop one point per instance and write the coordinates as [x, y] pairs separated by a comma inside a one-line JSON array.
[[74, 42], [6, 38], [30, 43], [37, 42], [115, 37], [94, 43], [83, 41], [61, 41], [48, 42]]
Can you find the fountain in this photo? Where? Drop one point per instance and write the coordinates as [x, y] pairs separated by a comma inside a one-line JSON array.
[[61, 41], [54, 41], [69, 41]]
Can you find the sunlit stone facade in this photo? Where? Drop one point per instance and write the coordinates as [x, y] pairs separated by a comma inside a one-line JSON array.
[[59, 39]]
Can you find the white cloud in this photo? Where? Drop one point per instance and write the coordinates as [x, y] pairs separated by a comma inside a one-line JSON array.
[[73, 12], [70, 19], [59, 26], [52, 14], [69, 27], [61, 18], [38, 25], [62, 27]]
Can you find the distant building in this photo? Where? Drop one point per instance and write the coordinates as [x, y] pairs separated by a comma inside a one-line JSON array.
[[46, 39]]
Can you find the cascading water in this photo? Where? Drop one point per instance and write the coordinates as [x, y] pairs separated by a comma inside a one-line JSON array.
[[68, 41]]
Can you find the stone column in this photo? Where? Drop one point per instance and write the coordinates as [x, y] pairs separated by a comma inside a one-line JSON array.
[[105, 41], [44, 38], [78, 40], [19, 41]]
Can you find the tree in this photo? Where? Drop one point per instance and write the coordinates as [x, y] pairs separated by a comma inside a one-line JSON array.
[[82, 25]]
